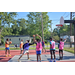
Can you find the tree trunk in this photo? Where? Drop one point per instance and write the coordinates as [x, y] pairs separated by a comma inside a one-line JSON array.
[[0, 35]]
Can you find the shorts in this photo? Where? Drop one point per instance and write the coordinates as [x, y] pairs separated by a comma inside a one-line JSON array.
[[21, 48], [38, 52], [60, 51], [7, 48], [52, 52], [25, 51]]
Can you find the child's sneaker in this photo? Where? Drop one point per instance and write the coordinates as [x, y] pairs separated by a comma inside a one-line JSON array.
[[28, 58], [6, 55], [18, 60], [51, 61], [54, 60], [9, 55]]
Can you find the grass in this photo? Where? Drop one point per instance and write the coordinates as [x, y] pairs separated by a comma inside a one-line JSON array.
[[71, 50], [31, 48], [10, 48]]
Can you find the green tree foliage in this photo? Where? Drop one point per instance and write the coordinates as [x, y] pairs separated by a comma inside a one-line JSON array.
[[32, 26], [6, 18], [34, 23]]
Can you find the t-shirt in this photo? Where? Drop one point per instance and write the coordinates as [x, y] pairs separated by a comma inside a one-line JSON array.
[[27, 45], [61, 45], [7, 44], [21, 44], [53, 45], [38, 46]]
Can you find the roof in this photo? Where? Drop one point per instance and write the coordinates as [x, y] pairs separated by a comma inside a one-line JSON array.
[[17, 36]]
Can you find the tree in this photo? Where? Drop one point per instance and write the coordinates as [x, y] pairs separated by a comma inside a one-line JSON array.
[[6, 18], [34, 23]]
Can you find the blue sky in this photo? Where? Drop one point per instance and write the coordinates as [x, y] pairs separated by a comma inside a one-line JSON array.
[[54, 16]]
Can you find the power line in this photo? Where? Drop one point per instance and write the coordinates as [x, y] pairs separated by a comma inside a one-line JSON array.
[[67, 16], [59, 19], [64, 13]]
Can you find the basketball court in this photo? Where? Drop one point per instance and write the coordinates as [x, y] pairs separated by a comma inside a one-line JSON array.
[[45, 57]]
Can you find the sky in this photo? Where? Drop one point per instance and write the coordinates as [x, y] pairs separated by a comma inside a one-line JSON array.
[[54, 16]]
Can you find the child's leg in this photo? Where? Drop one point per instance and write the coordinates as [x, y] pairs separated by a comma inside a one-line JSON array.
[[6, 52], [9, 52], [51, 54], [21, 50], [59, 54], [40, 57], [21, 56], [45, 49], [62, 53], [54, 54], [28, 55], [42, 49], [37, 57]]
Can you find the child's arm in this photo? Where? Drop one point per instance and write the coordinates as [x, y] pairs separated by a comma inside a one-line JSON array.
[[7, 43], [39, 36], [50, 45], [31, 43], [64, 40], [34, 38]]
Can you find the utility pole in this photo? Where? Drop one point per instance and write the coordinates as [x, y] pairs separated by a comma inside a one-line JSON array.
[[42, 27], [51, 29], [70, 28]]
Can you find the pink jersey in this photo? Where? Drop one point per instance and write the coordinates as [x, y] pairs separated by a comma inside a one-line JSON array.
[[53, 45], [61, 45], [38, 46]]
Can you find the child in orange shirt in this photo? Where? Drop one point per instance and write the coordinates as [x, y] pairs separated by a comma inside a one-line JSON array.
[[7, 43], [21, 46]]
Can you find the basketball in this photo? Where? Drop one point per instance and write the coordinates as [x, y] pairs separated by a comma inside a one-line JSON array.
[[10, 42], [33, 35]]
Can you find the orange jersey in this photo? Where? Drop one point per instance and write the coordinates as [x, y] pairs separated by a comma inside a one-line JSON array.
[[6, 44], [21, 44]]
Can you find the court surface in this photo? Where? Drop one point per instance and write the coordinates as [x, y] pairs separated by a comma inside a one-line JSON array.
[[45, 57]]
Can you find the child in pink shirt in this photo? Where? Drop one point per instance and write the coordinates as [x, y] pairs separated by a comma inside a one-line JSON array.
[[38, 46], [61, 46], [52, 49]]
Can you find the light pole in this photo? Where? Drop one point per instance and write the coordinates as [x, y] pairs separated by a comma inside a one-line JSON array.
[[70, 28]]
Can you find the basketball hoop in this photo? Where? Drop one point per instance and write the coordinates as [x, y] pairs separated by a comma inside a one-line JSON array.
[[59, 25]]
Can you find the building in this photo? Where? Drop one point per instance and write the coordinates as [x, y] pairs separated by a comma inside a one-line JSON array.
[[17, 39]]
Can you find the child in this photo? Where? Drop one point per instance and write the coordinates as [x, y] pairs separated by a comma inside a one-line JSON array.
[[38, 46], [7, 43], [52, 49], [43, 46], [61, 46], [26, 49], [21, 46]]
